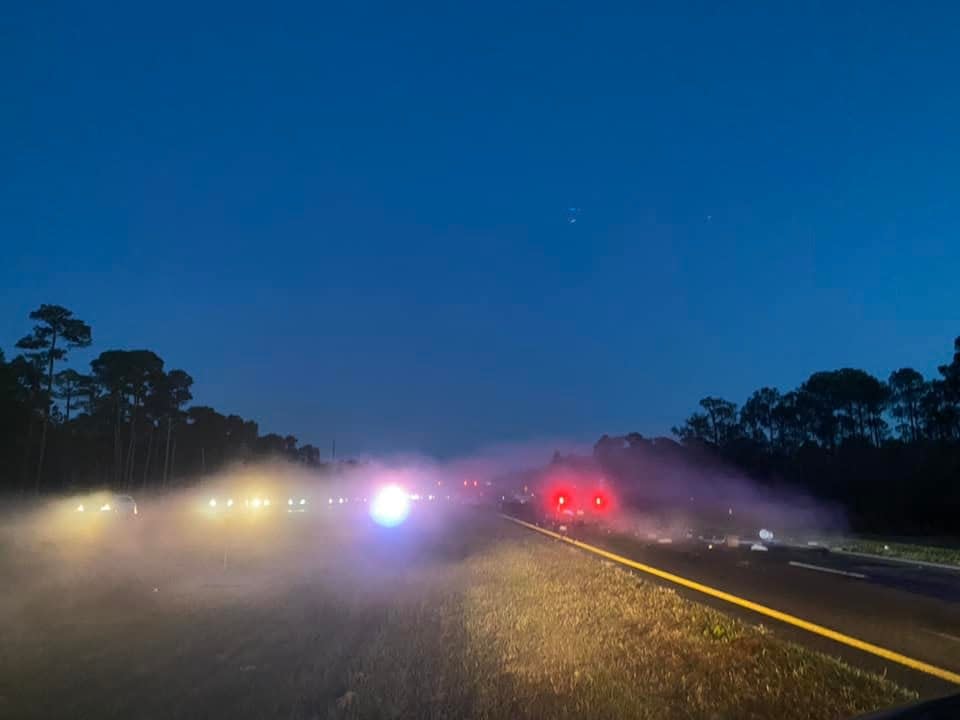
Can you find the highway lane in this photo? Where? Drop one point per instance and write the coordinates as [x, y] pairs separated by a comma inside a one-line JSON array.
[[910, 610]]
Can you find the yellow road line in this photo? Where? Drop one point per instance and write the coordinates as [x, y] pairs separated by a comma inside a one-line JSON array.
[[826, 632]]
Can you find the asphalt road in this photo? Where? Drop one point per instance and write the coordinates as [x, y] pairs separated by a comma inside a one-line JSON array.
[[911, 610]]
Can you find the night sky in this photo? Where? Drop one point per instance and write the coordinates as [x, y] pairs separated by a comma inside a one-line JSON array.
[[354, 220]]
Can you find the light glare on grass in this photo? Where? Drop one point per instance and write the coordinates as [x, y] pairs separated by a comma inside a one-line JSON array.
[[390, 507]]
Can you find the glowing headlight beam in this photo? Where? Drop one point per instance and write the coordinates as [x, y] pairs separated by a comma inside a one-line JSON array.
[[390, 507]]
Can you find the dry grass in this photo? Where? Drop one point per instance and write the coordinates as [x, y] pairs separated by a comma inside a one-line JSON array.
[[480, 620]]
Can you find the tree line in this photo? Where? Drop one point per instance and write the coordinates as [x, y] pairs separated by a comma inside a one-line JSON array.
[[126, 423], [888, 451]]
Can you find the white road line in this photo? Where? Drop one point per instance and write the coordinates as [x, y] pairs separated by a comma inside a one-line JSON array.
[[945, 636], [827, 570]]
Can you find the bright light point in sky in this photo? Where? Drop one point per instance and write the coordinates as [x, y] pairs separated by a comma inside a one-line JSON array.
[[390, 506]]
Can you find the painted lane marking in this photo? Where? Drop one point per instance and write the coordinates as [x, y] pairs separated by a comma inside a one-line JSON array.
[[945, 636], [820, 568]]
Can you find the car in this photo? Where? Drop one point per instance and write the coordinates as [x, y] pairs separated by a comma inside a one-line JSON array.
[[228, 503], [297, 504], [219, 505], [257, 503], [123, 505]]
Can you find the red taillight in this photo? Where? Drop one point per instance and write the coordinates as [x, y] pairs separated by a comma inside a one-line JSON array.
[[560, 499], [603, 501]]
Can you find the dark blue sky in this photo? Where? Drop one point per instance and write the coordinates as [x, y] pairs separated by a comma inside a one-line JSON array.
[[352, 219]]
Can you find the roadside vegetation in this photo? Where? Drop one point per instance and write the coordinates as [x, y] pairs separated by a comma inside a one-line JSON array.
[[125, 421], [905, 551], [886, 451]]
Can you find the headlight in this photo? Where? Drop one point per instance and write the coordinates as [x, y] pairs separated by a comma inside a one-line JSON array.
[[303, 501], [213, 502], [290, 501], [390, 506], [255, 502], [105, 507], [229, 502], [80, 507]]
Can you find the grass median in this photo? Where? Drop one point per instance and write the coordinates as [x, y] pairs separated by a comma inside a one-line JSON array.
[[905, 551]]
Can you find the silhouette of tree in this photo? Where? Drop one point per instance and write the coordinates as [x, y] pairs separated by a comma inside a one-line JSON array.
[[125, 376], [950, 393], [122, 422], [271, 445], [15, 413], [308, 455], [608, 446], [55, 324], [831, 436], [634, 439], [721, 419], [68, 385], [757, 415], [171, 394], [694, 428], [940, 412]]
